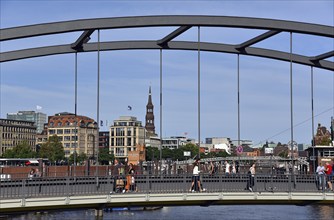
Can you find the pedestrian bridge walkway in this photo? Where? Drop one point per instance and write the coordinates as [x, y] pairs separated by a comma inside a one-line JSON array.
[[98, 193]]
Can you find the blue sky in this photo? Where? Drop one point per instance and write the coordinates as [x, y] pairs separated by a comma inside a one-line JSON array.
[[127, 75]]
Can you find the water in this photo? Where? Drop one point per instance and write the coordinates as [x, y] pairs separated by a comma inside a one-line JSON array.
[[234, 212]]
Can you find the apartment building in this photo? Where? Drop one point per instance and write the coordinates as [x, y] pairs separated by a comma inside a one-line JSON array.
[[76, 133], [126, 134]]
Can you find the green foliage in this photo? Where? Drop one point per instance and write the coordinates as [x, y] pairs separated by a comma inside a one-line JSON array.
[[53, 149], [325, 141], [283, 154], [152, 153], [22, 150], [79, 158], [104, 156]]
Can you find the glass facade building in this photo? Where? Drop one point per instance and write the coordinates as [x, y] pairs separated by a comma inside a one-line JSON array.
[[38, 118]]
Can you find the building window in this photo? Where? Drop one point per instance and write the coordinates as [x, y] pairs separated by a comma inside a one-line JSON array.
[[119, 141], [129, 131], [59, 131], [328, 153], [51, 131], [119, 131], [67, 131], [129, 142]]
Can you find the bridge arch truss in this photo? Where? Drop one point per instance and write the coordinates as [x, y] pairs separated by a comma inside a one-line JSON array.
[[183, 23]]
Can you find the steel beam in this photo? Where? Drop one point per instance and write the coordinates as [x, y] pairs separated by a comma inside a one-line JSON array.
[[256, 39], [322, 56], [163, 21], [173, 45], [84, 38], [171, 36]]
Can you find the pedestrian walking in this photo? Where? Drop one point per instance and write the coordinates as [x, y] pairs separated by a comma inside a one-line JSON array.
[[251, 178], [195, 180], [227, 168], [130, 179], [328, 171], [211, 168], [234, 170], [320, 176]]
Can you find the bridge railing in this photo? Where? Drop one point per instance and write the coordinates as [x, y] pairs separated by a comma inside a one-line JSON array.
[[88, 185]]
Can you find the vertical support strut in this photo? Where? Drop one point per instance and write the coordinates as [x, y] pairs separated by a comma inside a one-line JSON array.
[[75, 111], [199, 91], [312, 108], [98, 101], [160, 110], [0, 99], [238, 99], [291, 106]]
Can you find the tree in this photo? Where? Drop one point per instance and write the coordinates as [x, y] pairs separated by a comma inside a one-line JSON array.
[[22, 150], [193, 148], [104, 156], [79, 158], [52, 149], [325, 141], [222, 154], [152, 153]]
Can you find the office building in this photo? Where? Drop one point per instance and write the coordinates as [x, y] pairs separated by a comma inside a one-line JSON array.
[[14, 132], [38, 117]]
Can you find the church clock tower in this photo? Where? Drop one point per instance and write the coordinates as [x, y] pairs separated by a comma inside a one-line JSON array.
[[149, 125]]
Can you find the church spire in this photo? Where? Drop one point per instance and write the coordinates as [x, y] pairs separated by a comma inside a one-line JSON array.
[[149, 125]]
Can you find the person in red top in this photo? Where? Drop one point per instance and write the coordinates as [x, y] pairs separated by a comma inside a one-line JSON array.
[[328, 171]]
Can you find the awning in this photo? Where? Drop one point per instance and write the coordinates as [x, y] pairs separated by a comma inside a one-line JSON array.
[[32, 162]]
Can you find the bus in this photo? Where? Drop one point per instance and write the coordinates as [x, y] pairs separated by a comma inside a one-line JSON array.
[[11, 162]]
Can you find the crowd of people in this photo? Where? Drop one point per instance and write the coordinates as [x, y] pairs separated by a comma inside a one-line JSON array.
[[197, 186], [125, 175], [130, 181]]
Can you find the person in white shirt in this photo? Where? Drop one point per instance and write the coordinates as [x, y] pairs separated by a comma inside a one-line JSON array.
[[196, 183], [251, 180], [320, 175], [227, 168]]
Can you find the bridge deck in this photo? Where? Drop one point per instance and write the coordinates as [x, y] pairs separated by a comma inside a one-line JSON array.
[[167, 190]]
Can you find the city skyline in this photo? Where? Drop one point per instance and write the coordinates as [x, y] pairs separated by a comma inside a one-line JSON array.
[[48, 82]]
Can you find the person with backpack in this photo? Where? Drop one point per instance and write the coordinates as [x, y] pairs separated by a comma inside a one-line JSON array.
[[329, 175]]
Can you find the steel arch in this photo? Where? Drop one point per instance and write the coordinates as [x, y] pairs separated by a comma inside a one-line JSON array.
[[184, 22], [174, 45]]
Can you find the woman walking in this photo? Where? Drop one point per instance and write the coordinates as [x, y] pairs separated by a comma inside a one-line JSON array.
[[196, 183]]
